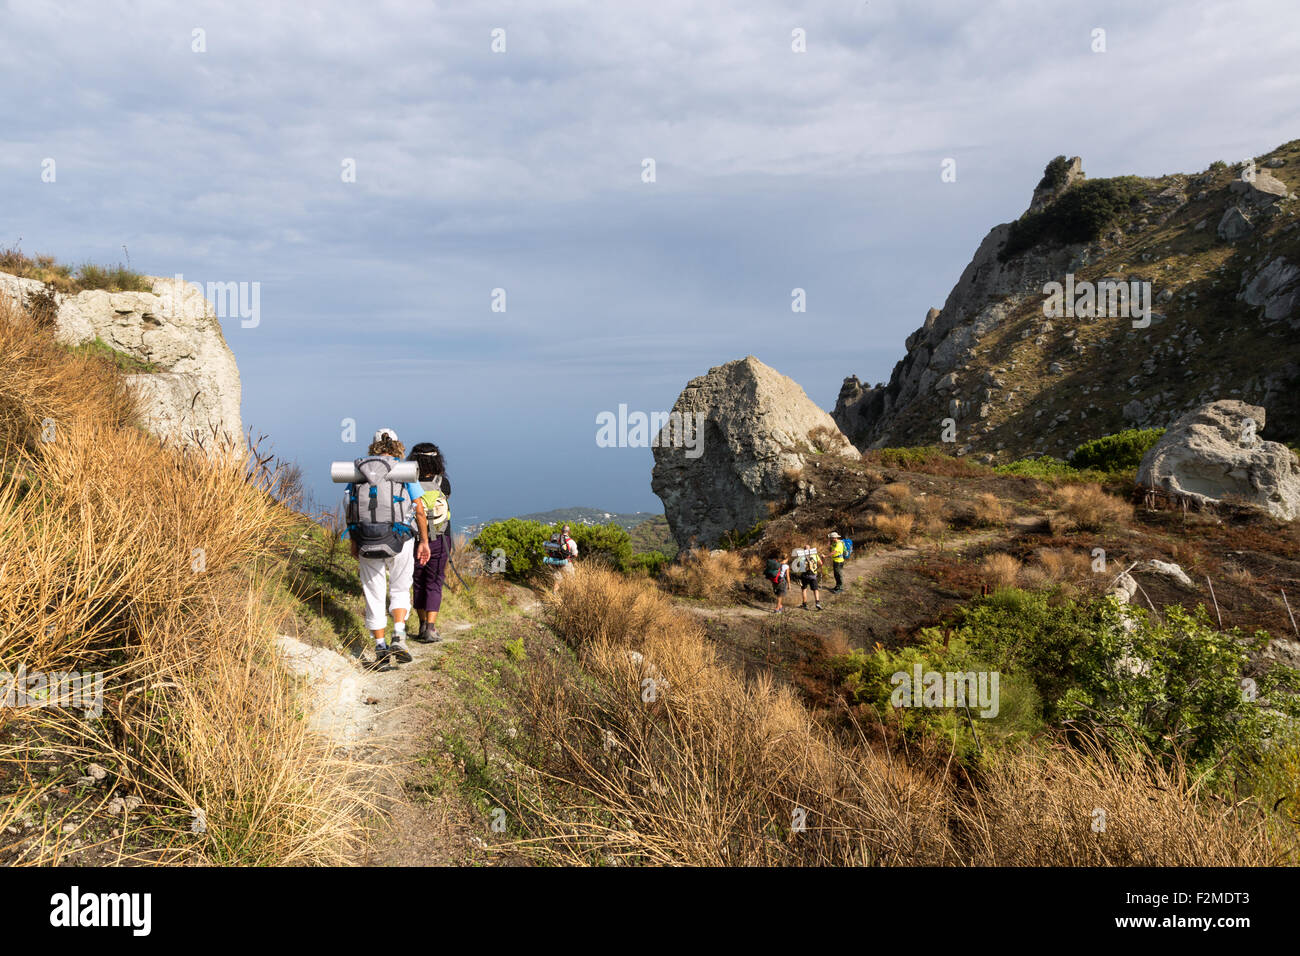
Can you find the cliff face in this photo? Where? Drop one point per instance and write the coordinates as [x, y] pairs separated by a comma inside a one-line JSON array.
[[758, 427], [1218, 257], [194, 396]]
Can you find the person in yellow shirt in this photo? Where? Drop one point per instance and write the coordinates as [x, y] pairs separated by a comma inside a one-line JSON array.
[[837, 561]]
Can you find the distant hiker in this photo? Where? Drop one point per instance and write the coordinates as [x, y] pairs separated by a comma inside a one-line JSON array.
[[379, 516], [431, 574], [805, 565], [777, 572], [561, 550], [838, 554]]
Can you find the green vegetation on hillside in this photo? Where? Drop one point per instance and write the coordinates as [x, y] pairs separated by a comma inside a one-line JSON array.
[[1081, 214], [653, 535], [1170, 685], [102, 351]]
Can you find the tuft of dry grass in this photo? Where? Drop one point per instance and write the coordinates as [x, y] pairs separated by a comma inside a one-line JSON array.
[[1058, 566], [1000, 570], [989, 512], [709, 575], [893, 528], [1087, 508]]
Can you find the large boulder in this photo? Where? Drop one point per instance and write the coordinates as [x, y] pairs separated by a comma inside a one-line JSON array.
[[1214, 452], [759, 427], [193, 397]]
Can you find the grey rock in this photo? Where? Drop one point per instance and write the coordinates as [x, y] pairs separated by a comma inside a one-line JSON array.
[[1234, 225], [756, 429], [1208, 455]]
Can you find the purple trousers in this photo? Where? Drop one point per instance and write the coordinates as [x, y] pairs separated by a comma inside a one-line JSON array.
[[429, 577]]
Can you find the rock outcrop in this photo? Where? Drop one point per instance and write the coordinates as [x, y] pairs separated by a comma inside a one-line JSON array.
[[1021, 369], [1215, 453], [759, 428], [193, 397]]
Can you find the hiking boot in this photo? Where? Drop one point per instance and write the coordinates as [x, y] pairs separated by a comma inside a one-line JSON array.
[[804, 606], [381, 661], [819, 605], [399, 652], [427, 635]]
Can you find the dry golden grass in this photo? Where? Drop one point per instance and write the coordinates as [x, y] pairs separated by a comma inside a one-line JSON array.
[[989, 512], [1087, 508], [711, 769], [1057, 566], [121, 555], [1236, 574], [703, 574], [893, 528], [1040, 809], [1000, 570]]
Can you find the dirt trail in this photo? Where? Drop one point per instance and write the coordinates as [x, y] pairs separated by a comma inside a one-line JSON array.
[[390, 719], [854, 570]]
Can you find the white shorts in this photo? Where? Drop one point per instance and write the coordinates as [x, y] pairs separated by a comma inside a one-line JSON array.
[[399, 570]]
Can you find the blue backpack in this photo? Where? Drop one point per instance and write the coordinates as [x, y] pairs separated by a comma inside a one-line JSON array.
[[848, 548]]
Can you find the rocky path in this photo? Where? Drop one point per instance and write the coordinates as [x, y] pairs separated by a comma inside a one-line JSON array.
[[389, 720]]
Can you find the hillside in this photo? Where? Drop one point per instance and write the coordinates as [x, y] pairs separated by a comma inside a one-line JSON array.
[[1220, 251]]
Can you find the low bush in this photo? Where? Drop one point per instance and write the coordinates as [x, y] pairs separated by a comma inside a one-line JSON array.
[[1122, 451]]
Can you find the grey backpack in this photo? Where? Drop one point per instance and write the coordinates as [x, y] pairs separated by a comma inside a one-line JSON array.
[[379, 511]]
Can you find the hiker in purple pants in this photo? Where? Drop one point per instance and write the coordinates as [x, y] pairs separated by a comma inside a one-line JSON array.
[[432, 574]]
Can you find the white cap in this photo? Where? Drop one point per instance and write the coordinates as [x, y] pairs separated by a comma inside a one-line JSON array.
[[385, 433], [832, 535]]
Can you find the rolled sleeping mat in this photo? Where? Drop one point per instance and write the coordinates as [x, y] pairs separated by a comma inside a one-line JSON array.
[[345, 471]]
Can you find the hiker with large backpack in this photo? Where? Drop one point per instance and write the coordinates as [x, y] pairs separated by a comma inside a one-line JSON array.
[[838, 553], [431, 574], [560, 551], [384, 517], [777, 572], [805, 564]]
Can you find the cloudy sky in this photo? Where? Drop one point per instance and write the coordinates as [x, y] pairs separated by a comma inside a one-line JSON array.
[[522, 170]]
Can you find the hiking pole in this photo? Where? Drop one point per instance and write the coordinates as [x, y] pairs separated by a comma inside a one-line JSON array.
[[452, 561]]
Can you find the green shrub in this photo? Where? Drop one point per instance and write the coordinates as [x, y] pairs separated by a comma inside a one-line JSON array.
[[875, 678], [1172, 684], [1054, 173], [651, 563], [1122, 451], [605, 543], [521, 542], [1080, 214]]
